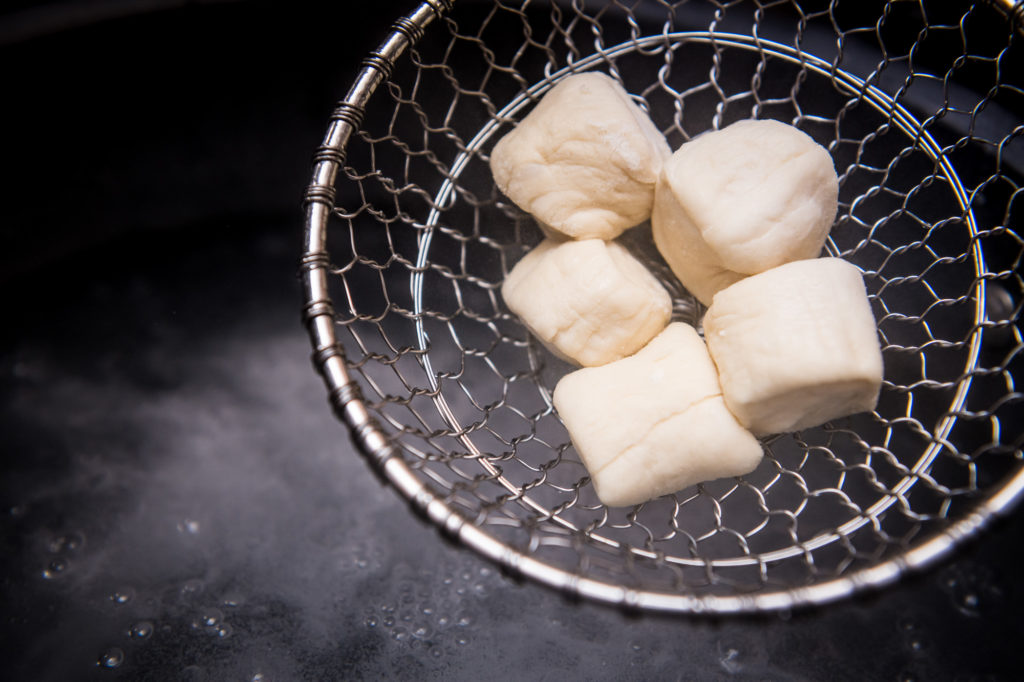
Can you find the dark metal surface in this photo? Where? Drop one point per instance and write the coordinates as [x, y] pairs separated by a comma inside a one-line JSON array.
[[176, 500]]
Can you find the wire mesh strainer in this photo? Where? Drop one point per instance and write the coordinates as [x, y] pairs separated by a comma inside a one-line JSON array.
[[408, 241]]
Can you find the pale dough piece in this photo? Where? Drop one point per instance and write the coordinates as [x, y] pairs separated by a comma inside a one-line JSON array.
[[655, 422], [584, 161], [741, 200], [796, 346], [589, 301]]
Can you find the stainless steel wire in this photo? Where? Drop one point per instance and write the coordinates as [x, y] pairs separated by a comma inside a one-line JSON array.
[[407, 242]]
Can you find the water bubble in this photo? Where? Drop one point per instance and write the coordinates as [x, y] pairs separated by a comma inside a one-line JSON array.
[[192, 587], [387, 608], [436, 652], [422, 632], [729, 660], [111, 658], [462, 640], [729, 656], [969, 602], [371, 621], [466, 575], [69, 542], [141, 630], [972, 588], [388, 621], [406, 616], [188, 527], [259, 677], [427, 609], [55, 568], [122, 595], [233, 599], [443, 620], [211, 617], [485, 571], [464, 620], [976, 588], [18, 510], [207, 619], [400, 634], [224, 630]]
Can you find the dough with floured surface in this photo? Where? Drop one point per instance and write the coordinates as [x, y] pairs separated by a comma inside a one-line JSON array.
[[584, 161], [655, 422], [742, 200], [589, 301], [796, 346]]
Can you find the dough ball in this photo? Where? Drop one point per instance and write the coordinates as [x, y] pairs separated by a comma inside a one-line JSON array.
[[585, 161], [742, 200], [796, 346], [589, 301], [655, 422]]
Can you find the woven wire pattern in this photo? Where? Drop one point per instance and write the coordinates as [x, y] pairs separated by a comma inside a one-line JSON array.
[[921, 106]]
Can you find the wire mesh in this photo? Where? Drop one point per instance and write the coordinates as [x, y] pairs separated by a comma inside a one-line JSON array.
[[408, 241]]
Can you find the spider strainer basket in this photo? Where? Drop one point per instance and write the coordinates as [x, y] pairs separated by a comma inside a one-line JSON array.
[[408, 241]]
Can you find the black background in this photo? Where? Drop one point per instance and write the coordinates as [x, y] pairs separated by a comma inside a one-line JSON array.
[[170, 465]]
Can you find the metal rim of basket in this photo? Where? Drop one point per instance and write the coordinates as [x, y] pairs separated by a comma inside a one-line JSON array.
[[375, 444]]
